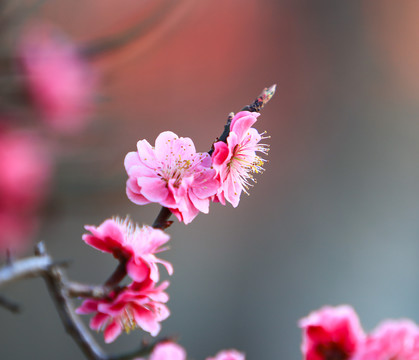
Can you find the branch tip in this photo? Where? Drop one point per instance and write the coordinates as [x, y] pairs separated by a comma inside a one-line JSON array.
[[268, 93]]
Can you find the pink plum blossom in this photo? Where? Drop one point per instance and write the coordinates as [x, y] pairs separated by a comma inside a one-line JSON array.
[[228, 355], [138, 305], [172, 174], [235, 160], [25, 172], [167, 351], [59, 80], [331, 333], [128, 242], [392, 340]]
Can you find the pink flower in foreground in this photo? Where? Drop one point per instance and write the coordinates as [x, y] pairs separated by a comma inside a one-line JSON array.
[[235, 161], [128, 242], [228, 355], [25, 172], [138, 305], [172, 174], [59, 80], [392, 340], [331, 333]]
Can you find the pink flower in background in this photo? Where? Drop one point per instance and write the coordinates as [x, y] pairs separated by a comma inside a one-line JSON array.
[[331, 333], [138, 305], [15, 230], [168, 351], [25, 169], [228, 355], [392, 340], [235, 161], [25, 172], [172, 174], [128, 242], [59, 80]]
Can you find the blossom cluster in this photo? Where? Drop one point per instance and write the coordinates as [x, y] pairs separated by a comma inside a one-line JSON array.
[[177, 177], [335, 333], [141, 303], [53, 88], [25, 171]]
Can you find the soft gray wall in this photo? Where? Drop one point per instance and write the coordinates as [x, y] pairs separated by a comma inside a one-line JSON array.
[[334, 219]]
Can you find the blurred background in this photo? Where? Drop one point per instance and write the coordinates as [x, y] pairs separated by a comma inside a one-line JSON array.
[[334, 218]]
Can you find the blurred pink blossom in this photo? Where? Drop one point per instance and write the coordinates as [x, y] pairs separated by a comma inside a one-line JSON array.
[[391, 340], [138, 305], [167, 351], [59, 80], [25, 172], [172, 174], [128, 242], [228, 355], [331, 333], [15, 230], [236, 160]]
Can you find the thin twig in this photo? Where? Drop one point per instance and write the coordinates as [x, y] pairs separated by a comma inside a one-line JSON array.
[[261, 100], [25, 268], [75, 289], [55, 279]]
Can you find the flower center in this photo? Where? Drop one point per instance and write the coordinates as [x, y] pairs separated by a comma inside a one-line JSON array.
[[177, 167], [244, 162], [127, 320], [332, 351]]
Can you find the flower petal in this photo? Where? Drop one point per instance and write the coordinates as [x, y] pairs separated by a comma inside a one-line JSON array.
[[164, 146], [98, 321], [113, 330], [137, 272], [153, 189], [146, 154]]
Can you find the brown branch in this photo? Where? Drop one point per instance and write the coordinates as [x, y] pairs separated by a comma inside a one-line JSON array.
[[118, 275], [25, 268], [56, 280], [162, 220], [75, 289]]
